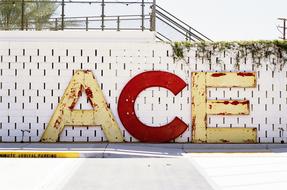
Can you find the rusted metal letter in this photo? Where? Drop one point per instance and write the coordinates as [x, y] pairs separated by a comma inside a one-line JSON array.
[[66, 115], [127, 113], [201, 107]]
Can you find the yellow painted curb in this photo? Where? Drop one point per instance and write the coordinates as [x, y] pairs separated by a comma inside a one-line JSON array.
[[19, 154]]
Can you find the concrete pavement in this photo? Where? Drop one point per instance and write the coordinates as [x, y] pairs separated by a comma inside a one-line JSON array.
[[139, 174], [134, 150], [242, 171], [148, 166]]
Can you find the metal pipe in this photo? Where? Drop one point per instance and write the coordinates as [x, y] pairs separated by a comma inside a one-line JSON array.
[[118, 23], [163, 37], [189, 34], [112, 16], [63, 15], [103, 14], [179, 26], [76, 2], [153, 16], [22, 15], [194, 30], [56, 24], [181, 32], [87, 23], [142, 5], [284, 29]]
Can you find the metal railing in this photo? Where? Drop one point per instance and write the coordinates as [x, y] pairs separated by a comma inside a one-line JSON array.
[[282, 28], [95, 23], [143, 15], [183, 29]]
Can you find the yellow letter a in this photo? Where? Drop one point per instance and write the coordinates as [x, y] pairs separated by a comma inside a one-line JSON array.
[[66, 115]]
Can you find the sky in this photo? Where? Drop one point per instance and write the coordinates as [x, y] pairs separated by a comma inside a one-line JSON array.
[[225, 19], [231, 19]]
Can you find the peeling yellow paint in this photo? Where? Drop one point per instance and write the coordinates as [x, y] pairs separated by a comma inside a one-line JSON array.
[[201, 107], [198, 107], [231, 135], [66, 115], [231, 79], [227, 107]]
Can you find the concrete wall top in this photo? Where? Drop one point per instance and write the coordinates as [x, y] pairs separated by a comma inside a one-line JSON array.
[[78, 36]]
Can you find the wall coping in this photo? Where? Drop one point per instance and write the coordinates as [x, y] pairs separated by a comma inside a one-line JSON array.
[[78, 36]]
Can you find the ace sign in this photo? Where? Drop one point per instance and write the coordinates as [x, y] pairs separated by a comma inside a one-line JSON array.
[[101, 115]]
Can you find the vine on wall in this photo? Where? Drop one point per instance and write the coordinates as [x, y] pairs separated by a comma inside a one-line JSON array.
[[275, 52]]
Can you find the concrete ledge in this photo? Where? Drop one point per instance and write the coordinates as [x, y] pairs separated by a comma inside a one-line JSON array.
[[78, 36]]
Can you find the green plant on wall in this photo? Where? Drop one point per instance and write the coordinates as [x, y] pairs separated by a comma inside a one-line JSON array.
[[273, 51]]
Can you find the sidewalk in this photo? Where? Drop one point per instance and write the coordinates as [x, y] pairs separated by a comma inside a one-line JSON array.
[[130, 150], [147, 166]]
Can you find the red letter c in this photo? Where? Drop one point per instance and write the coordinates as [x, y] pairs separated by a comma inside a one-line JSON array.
[[127, 100]]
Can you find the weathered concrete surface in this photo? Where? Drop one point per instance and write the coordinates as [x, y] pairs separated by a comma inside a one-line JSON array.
[[140, 174], [149, 166], [243, 171], [104, 174]]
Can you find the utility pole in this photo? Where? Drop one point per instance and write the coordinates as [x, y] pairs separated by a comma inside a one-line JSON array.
[[283, 27]]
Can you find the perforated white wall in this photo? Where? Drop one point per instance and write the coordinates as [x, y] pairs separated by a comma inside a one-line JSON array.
[[34, 75]]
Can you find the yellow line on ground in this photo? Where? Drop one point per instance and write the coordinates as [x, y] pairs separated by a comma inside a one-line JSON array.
[[20, 154]]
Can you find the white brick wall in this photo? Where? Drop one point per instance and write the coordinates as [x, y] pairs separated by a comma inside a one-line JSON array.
[[35, 73]]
